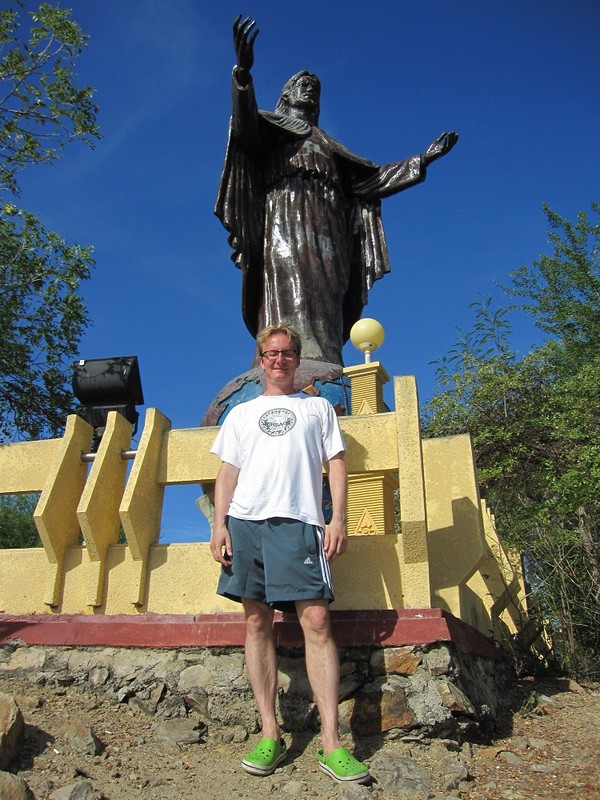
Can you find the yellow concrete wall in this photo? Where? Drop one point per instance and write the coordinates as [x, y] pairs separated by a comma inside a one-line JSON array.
[[499, 583], [25, 466], [456, 540], [181, 579], [436, 560]]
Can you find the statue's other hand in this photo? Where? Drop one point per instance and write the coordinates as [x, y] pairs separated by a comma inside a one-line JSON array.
[[244, 35], [442, 145]]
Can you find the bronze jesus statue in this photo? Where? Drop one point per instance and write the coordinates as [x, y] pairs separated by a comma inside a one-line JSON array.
[[303, 212]]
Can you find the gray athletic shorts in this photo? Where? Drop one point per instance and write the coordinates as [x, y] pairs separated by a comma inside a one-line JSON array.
[[276, 561]]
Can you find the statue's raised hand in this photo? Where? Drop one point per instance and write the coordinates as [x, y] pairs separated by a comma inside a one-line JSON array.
[[442, 145], [244, 35]]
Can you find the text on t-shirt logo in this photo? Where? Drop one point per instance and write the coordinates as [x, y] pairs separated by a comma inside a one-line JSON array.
[[277, 421]]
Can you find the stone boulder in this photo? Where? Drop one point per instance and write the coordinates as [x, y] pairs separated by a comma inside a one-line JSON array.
[[14, 788], [80, 737], [12, 727], [81, 790]]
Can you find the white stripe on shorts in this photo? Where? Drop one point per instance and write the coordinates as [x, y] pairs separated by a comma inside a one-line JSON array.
[[323, 563]]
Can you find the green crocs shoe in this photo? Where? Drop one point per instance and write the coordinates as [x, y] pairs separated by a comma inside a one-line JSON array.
[[265, 757], [342, 766]]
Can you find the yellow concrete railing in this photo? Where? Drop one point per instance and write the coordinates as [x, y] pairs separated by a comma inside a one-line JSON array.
[[446, 554]]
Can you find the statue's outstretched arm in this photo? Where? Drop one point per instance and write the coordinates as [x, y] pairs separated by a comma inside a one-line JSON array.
[[442, 145], [244, 114], [244, 36]]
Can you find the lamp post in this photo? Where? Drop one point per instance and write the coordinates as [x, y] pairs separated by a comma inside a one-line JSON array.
[[367, 335], [370, 494], [367, 379]]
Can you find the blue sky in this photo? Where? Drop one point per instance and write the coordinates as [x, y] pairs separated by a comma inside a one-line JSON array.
[[518, 80]]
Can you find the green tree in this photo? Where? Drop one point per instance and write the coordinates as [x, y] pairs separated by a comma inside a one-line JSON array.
[[562, 291], [535, 424], [41, 111], [17, 528]]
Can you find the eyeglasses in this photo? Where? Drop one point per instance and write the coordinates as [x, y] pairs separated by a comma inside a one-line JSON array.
[[272, 354]]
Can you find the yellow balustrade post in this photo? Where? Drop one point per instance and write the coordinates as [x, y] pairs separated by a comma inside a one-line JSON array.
[[370, 497], [141, 506], [502, 581], [506, 588], [367, 381], [413, 514], [98, 510], [55, 515]]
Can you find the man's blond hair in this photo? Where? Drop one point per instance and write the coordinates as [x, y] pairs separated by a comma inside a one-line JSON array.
[[287, 330]]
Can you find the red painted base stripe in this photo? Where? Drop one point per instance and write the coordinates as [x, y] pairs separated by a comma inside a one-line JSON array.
[[350, 629]]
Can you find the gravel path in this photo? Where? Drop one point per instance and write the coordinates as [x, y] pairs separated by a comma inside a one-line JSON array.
[[551, 752]]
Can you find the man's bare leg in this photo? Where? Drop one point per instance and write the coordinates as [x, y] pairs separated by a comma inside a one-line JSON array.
[[261, 663], [322, 667]]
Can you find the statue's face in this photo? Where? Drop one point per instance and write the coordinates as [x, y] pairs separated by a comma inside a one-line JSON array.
[[305, 93]]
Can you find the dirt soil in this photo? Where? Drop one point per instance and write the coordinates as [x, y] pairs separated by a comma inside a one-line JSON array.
[[549, 750]]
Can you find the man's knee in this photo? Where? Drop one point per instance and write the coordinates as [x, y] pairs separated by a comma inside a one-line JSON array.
[[314, 619], [259, 617]]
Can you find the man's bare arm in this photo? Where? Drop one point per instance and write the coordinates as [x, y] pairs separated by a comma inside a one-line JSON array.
[[220, 540], [336, 535]]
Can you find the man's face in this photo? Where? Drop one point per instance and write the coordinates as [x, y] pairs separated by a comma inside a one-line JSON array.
[[305, 93], [280, 370]]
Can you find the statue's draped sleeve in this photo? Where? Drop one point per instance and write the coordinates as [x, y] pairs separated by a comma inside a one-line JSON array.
[[368, 247]]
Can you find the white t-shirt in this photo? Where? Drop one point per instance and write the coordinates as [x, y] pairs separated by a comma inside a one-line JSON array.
[[279, 444]]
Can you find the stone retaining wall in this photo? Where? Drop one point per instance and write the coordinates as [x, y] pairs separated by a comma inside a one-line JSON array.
[[432, 690]]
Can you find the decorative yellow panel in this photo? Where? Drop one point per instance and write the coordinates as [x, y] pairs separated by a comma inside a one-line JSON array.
[[371, 503]]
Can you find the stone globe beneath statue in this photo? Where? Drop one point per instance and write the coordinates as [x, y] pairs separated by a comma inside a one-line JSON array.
[[313, 377]]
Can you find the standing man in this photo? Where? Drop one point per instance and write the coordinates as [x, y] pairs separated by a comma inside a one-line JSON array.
[[270, 537]]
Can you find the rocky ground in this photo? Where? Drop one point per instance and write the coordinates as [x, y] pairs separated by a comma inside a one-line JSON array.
[[80, 745]]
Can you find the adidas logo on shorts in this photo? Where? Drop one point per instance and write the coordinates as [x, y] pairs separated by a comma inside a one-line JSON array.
[[308, 560]]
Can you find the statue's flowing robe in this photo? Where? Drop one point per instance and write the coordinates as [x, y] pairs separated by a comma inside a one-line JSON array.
[[304, 220]]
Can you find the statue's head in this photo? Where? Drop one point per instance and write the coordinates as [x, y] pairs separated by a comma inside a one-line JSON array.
[[302, 91]]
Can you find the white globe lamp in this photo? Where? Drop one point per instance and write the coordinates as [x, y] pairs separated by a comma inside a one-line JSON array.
[[367, 335]]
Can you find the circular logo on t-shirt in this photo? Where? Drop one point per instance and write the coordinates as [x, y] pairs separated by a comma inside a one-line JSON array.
[[277, 421]]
